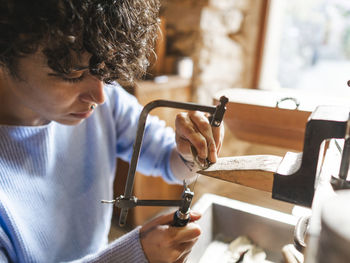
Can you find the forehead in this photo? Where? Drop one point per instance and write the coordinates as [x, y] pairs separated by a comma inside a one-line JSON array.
[[35, 66], [39, 60]]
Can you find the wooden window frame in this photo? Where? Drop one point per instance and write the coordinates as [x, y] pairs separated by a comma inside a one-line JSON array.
[[255, 114]]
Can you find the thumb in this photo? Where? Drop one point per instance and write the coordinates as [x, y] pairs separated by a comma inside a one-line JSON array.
[[167, 219]]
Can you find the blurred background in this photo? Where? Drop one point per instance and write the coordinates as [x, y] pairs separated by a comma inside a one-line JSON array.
[[257, 52]]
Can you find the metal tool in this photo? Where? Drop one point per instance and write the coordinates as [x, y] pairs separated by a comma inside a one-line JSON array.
[[181, 216], [215, 121], [341, 181], [126, 201], [296, 184], [326, 122]]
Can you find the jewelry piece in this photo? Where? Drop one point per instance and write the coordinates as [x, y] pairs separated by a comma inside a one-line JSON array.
[[201, 163], [93, 106], [197, 163]]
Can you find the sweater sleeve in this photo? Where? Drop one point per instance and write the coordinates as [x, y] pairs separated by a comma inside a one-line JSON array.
[[3, 257], [7, 252], [125, 249], [158, 140]]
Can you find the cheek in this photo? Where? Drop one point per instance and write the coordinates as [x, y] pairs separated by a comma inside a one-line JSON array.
[[46, 97]]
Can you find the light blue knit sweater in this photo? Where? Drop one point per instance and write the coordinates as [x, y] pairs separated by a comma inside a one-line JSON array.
[[53, 177]]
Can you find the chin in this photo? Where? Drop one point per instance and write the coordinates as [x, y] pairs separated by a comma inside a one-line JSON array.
[[68, 122]]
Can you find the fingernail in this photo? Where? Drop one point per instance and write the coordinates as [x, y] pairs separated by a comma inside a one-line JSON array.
[[195, 213]]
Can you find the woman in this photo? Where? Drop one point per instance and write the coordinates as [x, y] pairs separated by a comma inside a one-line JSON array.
[[63, 121]]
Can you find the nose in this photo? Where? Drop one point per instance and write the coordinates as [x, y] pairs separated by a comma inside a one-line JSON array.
[[93, 90]]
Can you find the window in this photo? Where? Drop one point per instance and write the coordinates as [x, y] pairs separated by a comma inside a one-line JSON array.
[[307, 46], [305, 64]]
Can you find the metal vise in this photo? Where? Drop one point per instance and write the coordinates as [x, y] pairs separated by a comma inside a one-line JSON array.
[[326, 122], [289, 179]]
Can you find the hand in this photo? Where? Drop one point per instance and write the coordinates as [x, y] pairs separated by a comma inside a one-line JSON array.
[[193, 128], [163, 243]]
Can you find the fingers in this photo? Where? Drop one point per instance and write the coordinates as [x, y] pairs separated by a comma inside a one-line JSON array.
[[218, 133], [202, 124], [180, 253], [183, 258], [193, 128], [187, 233], [182, 241], [163, 243], [195, 216], [167, 219], [185, 249], [183, 146], [188, 134]]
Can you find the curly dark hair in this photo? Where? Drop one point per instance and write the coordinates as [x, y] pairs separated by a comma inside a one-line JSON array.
[[119, 34]]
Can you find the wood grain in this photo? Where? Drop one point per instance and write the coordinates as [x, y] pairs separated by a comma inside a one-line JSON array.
[[255, 171]]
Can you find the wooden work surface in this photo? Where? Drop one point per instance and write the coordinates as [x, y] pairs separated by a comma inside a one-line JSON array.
[[233, 146], [254, 171]]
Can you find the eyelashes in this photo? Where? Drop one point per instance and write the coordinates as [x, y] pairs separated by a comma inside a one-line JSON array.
[[66, 78], [73, 80]]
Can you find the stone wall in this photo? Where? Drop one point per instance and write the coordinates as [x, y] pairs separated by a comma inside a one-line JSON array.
[[220, 36]]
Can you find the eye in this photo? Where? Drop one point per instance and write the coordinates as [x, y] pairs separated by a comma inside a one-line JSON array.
[[73, 80], [71, 77]]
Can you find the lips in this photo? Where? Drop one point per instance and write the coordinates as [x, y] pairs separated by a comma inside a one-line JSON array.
[[81, 115]]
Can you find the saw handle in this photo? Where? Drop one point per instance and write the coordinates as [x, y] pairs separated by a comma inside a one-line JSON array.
[[180, 219], [182, 215]]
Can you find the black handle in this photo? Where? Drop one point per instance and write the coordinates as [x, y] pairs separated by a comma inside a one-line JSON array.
[[216, 119], [180, 219], [182, 215]]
